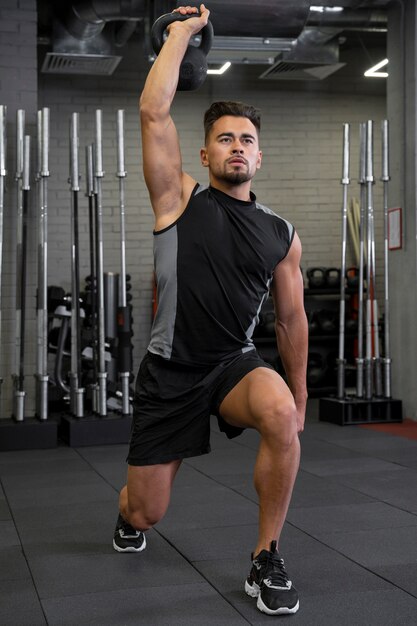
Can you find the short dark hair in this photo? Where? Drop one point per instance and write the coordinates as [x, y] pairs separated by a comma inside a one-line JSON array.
[[238, 109]]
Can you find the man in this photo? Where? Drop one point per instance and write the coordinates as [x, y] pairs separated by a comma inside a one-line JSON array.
[[218, 253]]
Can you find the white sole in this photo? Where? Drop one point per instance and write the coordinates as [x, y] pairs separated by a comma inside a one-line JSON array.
[[131, 549], [282, 611], [253, 591]]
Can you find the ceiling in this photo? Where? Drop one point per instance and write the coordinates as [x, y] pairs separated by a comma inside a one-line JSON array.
[[287, 39]]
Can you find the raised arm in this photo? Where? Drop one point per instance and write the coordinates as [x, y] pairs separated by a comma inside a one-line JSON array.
[[169, 187], [291, 325]]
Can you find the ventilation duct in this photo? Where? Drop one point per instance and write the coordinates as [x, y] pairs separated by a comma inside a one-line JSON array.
[[257, 18], [315, 54], [362, 19], [86, 18], [92, 64], [82, 45], [300, 70], [247, 50]]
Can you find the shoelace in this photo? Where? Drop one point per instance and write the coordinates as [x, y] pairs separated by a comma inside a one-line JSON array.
[[128, 531], [275, 571]]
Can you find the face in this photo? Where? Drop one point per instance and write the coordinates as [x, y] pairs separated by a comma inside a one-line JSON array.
[[232, 150]]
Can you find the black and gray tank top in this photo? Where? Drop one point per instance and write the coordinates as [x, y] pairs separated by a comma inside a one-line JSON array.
[[214, 266]]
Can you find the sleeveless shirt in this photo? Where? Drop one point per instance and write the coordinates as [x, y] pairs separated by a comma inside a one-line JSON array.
[[213, 267]]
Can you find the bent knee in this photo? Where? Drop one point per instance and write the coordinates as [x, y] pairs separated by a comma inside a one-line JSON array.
[[278, 421], [145, 519]]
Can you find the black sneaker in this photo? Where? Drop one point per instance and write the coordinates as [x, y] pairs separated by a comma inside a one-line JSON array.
[[126, 538], [268, 581]]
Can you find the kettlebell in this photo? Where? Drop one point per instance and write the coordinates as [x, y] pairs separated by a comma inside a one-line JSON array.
[[316, 277], [351, 325], [193, 69], [332, 275], [327, 320], [313, 325], [316, 369]]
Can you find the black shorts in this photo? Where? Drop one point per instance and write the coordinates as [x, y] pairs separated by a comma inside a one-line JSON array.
[[173, 403]]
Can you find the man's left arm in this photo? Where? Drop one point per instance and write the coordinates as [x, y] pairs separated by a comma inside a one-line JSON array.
[[291, 325]]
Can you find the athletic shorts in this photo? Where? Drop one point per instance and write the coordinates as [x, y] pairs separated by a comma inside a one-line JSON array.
[[173, 403]]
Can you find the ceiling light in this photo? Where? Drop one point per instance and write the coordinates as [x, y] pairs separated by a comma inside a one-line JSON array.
[[320, 9], [220, 70], [373, 71]]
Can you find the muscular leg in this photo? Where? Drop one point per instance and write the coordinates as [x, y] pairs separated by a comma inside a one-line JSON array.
[[144, 499], [262, 400]]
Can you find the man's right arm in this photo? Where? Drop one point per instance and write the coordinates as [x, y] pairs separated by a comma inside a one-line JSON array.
[[169, 187]]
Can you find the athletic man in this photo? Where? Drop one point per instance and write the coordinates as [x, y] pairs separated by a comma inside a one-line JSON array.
[[218, 253]]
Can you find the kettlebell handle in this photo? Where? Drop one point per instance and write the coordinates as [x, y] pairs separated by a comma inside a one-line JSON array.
[[163, 21]]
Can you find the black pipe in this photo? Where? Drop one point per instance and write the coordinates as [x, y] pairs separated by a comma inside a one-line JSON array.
[[85, 19], [256, 18], [362, 19], [123, 33]]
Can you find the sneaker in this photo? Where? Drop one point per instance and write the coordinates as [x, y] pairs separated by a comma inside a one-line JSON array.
[[126, 538], [268, 581]]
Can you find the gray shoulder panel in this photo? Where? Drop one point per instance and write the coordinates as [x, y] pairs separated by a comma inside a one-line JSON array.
[[266, 209], [200, 188]]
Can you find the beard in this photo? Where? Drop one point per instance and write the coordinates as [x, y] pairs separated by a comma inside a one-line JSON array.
[[236, 177]]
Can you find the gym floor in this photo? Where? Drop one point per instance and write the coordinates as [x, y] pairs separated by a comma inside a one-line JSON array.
[[350, 541]]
